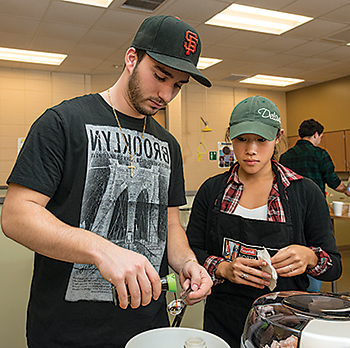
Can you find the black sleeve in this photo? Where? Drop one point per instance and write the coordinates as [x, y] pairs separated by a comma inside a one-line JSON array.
[[40, 163], [316, 225]]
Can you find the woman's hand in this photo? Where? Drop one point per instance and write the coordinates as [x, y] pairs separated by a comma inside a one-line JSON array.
[[293, 260], [244, 271]]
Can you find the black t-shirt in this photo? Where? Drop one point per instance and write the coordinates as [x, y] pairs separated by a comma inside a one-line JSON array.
[[76, 155]]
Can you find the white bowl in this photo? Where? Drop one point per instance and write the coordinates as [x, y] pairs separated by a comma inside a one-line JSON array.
[[174, 337]]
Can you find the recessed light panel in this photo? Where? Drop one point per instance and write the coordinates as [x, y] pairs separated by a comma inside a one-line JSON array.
[[204, 63], [271, 80], [99, 3], [257, 19], [31, 56]]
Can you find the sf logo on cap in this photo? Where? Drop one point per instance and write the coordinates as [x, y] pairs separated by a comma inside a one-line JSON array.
[[191, 42]]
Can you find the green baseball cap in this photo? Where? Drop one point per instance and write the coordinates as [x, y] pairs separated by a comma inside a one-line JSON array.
[[257, 115], [171, 42]]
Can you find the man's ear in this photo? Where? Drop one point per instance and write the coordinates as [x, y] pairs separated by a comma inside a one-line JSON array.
[[130, 59]]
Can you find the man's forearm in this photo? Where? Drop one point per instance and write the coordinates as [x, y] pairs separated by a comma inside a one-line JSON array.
[[342, 189], [179, 250]]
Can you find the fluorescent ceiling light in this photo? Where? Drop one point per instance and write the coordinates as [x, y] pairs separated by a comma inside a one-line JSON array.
[[257, 19], [271, 80], [99, 3], [204, 63], [31, 56]]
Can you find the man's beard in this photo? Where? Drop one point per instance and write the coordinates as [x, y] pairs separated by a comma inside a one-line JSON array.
[[136, 97]]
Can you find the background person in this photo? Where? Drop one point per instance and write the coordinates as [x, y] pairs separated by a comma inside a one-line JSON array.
[[258, 203], [308, 159], [95, 193]]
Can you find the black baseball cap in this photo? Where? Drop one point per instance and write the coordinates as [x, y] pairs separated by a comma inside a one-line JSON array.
[[171, 42]]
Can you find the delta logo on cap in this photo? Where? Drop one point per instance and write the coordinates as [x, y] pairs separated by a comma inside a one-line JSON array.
[[266, 113]]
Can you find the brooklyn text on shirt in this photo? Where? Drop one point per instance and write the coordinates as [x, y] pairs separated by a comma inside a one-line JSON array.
[[109, 139]]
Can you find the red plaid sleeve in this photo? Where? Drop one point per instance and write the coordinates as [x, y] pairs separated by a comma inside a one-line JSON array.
[[211, 264], [324, 262]]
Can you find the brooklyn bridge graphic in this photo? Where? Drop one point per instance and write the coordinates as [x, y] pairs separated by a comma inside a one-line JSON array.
[[129, 211]]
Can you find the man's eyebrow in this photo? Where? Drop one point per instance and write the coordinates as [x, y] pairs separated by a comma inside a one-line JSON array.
[[167, 73]]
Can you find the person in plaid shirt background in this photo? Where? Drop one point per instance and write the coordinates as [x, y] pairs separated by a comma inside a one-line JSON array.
[[308, 159]]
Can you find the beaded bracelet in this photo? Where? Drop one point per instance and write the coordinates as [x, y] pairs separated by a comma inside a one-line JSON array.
[[194, 260]]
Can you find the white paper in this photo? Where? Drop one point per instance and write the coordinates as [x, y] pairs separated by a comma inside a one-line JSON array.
[[264, 255]]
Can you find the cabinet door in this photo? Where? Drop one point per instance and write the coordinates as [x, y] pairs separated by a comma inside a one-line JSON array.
[[347, 149], [334, 143]]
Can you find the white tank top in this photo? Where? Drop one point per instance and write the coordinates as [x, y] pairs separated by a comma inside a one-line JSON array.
[[259, 213]]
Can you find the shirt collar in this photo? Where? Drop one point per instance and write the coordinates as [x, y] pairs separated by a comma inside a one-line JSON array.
[[287, 175]]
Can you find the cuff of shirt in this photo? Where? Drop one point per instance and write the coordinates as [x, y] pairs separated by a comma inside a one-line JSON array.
[[211, 264], [324, 262]]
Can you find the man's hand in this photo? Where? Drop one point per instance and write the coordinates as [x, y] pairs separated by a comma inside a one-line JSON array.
[[131, 273], [195, 275]]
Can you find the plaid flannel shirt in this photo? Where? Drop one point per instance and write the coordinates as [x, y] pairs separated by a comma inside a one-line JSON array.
[[275, 213], [312, 162]]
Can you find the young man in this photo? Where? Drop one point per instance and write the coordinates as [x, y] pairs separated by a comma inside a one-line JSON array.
[[308, 159], [95, 193]]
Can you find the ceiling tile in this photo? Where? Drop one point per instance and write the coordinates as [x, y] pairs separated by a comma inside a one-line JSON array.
[[30, 9], [17, 25], [244, 38], [337, 53], [341, 14], [317, 28], [310, 49], [313, 8], [51, 45], [194, 10], [64, 32], [279, 60], [281, 43], [71, 13], [91, 51], [107, 38], [15, 41], [309, 63], [124, 21]]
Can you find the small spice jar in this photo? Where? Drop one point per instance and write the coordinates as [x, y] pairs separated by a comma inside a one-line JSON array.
[[194, 342]]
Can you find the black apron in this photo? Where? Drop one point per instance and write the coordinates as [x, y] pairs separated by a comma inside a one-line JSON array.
[[227, 307]]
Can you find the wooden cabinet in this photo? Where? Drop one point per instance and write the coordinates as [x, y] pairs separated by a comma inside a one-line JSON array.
[[334, 143], [347, 149]]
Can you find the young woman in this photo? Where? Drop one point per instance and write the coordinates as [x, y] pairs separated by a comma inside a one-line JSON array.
[[258, 203]]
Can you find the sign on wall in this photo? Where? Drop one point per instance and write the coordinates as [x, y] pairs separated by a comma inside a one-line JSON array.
[[225, 154]]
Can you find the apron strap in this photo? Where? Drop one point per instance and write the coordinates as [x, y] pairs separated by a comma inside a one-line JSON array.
[[284, 201]]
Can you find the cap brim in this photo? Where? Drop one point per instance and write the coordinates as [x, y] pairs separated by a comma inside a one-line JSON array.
[[258, 128], [181, 65]]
